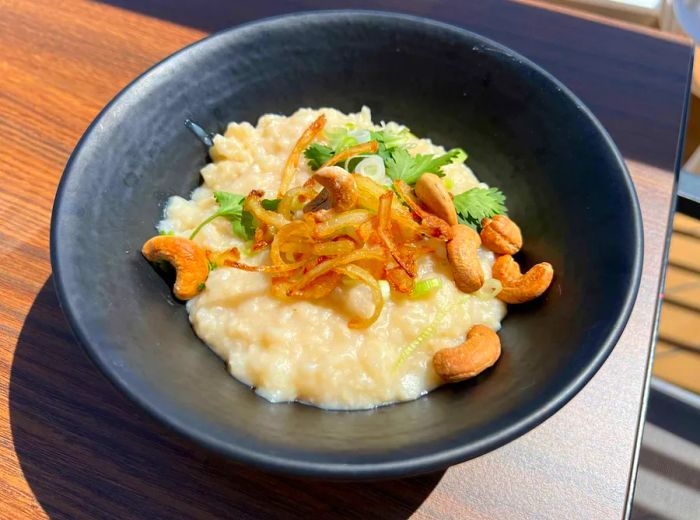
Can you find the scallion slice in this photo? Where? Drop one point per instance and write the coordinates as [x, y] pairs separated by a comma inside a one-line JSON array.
[[425, 287]]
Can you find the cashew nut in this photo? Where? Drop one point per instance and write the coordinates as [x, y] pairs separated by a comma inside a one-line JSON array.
[[188, 259], [340, 191], [481, 350], [464, 261], [432, 192], [518, 287], [501, 235]]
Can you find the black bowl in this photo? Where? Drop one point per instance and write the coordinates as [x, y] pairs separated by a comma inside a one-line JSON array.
[[525, 132]]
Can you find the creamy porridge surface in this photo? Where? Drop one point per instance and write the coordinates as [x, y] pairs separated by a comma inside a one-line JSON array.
[[303, 350]]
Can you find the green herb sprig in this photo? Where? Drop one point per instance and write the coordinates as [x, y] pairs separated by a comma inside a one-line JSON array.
[[478, 203], [392, 149], [243, 223], [401, 165], [317, 154]]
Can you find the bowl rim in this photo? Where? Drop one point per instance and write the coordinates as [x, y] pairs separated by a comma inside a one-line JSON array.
[[343, 470]]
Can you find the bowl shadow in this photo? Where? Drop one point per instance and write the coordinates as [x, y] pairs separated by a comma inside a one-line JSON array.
[[88, 452]]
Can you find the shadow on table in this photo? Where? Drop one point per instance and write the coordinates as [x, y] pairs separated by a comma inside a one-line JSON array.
[[87, 452], [214, 15], [615, 71]]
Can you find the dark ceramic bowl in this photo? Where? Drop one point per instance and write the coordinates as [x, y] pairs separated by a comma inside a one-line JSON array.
[[524, 131]]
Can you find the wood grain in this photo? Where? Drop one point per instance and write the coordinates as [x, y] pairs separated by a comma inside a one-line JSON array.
[[73, 447], [679, 366], [683, 286], [677, 354]]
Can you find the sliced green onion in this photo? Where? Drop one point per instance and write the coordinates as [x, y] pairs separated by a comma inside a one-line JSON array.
[[372, 166], [424, 287], [339, 138], [347, 165], [385, 289], [490, 289], [429, 330], [394, 135], [361, 135]]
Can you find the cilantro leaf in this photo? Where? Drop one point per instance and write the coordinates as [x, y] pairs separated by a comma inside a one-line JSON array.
[[245, 226], [243, 223], [231, 207], [454, 155], [478, 203], [401, 165], [230, 204], [270, 204], [389, 140], [317, 154]]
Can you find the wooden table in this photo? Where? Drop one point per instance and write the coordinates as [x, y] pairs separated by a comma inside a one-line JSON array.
[[71, 446]]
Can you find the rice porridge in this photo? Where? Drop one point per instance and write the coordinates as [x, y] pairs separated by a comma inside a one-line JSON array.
[[303, 349]]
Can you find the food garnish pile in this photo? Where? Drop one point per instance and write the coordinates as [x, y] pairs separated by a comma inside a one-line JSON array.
[[345, 222]]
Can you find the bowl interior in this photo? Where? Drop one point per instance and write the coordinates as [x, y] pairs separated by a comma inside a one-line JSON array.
[[563, 178]]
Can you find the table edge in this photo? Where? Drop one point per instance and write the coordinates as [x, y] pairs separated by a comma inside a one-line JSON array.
[[641, 419]]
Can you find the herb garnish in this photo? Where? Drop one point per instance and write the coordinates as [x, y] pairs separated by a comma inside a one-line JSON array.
[[392, 149], [317, 154], [243, 222], [401, 165], [478, 203]]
